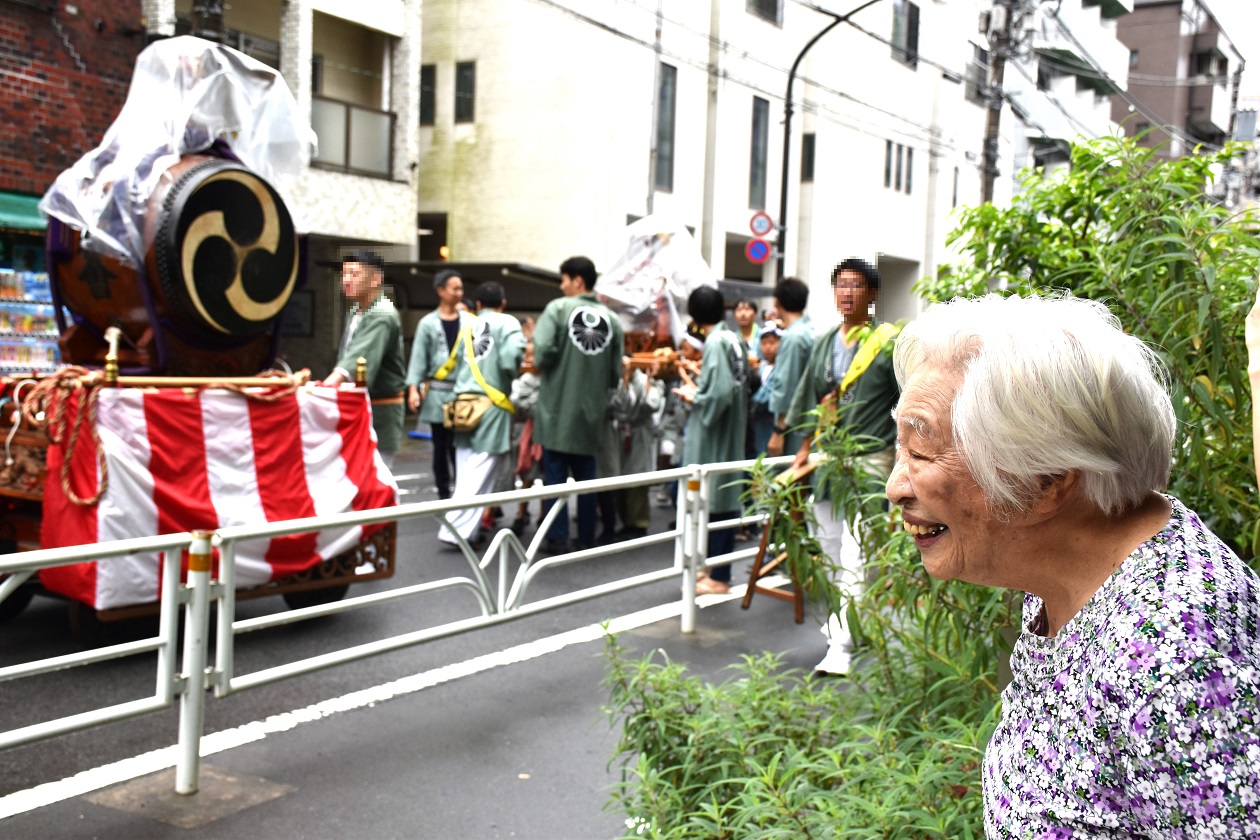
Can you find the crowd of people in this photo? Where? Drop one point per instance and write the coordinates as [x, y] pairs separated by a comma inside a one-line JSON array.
[[575, 403], [511, 403], [1026, 443]]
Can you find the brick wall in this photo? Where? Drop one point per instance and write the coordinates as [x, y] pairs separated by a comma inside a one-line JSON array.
[[64, 73]]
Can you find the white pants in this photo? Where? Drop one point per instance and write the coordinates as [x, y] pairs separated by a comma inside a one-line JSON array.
[[475, 475], [843, 547]]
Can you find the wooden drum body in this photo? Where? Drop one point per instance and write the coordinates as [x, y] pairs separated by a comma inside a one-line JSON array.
[[221, 261]]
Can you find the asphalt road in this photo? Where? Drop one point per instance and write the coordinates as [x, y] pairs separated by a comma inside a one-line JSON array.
[[453, 738]]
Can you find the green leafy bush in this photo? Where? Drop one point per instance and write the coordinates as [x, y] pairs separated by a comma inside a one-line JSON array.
[[1136, 232], [894, 751]]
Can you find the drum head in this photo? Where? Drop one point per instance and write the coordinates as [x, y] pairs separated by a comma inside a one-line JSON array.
[[225, 252]]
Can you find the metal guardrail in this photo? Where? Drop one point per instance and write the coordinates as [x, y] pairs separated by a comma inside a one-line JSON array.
[[500, 597]]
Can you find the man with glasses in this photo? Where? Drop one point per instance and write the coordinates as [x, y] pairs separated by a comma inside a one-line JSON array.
[[851, 364]]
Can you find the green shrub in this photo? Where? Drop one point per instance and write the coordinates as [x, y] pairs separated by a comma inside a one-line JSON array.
[[894, 751]]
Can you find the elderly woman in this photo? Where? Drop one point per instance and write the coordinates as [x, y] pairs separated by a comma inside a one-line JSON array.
[[1034, 438]]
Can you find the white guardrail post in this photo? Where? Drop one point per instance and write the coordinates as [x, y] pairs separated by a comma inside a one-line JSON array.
[[192, 703], [691, 548]]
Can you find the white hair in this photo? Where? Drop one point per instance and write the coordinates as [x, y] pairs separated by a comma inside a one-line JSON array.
[[1050, 384]]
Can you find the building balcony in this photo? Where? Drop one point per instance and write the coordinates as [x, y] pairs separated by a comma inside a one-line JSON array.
[[353, 138], [1111, 8], [1081, 40], [1209, 108]]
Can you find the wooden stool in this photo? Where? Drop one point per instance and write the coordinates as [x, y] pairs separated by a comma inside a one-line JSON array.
[[760, 568]]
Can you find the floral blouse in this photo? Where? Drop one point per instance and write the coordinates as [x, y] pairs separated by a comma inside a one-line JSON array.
[[1141, 718]]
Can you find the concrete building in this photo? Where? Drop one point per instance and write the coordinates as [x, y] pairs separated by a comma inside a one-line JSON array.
[[547, 126], [1183, 79], [1066, 64]]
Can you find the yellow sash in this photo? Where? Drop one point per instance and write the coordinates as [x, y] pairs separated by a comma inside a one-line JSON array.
[[866, 354], [496, 396], [445, 370]]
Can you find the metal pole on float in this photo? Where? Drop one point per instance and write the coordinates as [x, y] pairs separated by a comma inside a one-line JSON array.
[[192, 703]]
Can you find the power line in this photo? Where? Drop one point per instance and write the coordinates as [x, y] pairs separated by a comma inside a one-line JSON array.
[[925, 138], [1138, 105]]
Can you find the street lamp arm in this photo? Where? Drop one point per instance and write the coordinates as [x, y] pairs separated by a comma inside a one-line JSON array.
[[787, 123]]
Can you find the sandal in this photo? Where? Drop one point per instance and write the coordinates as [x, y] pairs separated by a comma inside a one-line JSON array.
[[709, 586]]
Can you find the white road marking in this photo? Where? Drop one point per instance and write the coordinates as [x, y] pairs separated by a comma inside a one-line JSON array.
[[19, 802]]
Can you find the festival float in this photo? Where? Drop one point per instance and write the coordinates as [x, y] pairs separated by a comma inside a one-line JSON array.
[[648, 286], [171, 255]]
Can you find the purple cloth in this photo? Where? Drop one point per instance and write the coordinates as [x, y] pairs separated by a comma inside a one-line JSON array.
[[1140, 718]]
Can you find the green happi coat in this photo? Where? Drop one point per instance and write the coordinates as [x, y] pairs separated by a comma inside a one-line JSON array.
[[498, 345], [795, 347], [377, 338], [715, 429], [870, 399], [429, 351], [578, 344]]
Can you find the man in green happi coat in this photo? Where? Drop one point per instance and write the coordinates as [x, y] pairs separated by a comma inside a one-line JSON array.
[[578, 344], [718, 420], [433, 369], [373, 333], [852, 362], [795, 345], [497, 347]]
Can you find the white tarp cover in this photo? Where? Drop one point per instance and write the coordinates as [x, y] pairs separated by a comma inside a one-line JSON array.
[[186, 93], [653, 278]]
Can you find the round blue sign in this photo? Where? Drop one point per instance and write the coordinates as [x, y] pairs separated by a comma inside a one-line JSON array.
[[757, 251]]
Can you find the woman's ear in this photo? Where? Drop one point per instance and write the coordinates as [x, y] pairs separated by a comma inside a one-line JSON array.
[[1056, 491]]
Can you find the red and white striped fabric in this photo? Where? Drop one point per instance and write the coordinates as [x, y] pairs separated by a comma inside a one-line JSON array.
[[182, 460]]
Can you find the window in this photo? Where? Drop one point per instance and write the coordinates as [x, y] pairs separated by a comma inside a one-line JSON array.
[[807, 158], [317, 74], [428, 93], [898, 167], [1046, 75], [465, 90], [1133, 59], [905, 33], [976, 88], [666, 106], [768, 9], [757, 160], [431, 232]]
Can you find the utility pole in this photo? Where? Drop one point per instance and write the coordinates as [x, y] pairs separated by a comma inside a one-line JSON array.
[[1000, 44], [787, 127], [654, 155]]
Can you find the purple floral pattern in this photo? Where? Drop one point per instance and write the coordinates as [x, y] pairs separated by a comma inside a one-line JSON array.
[[1141, 718]]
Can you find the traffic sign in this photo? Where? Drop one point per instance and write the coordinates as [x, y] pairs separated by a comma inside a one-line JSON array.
[[757, 251], [761, 223]]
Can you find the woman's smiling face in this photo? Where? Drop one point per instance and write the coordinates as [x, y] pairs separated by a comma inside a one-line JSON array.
[[941, 505]]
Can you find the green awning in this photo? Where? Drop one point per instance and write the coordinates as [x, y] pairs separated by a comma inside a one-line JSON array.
[[20, 212]]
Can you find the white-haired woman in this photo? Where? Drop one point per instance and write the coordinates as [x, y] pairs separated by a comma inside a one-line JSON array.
[[1034, 440]]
